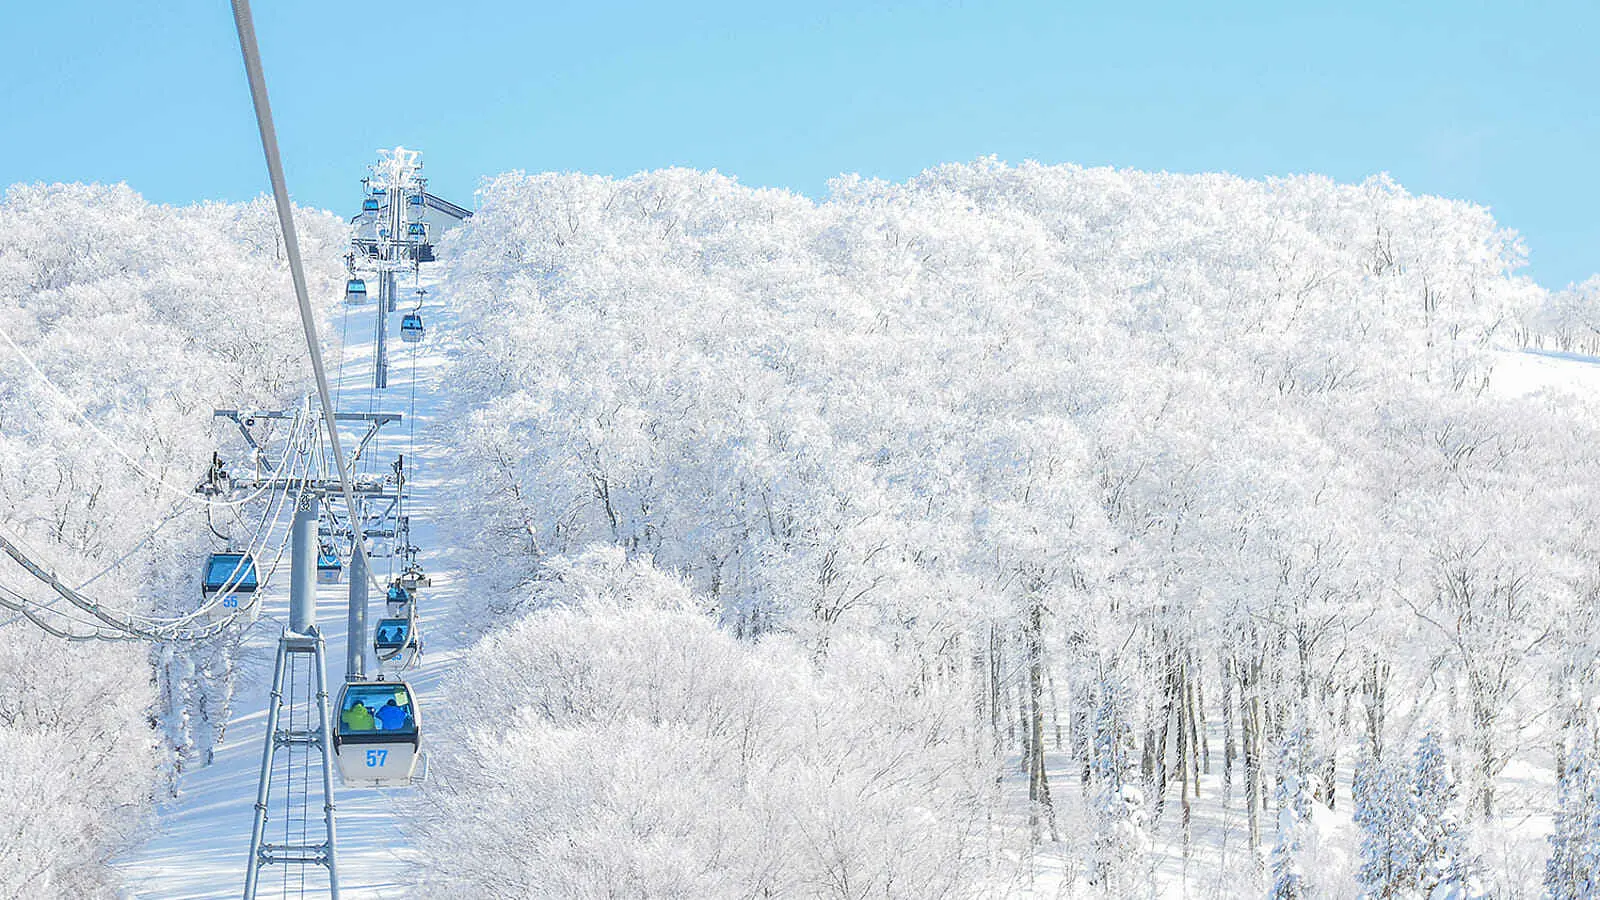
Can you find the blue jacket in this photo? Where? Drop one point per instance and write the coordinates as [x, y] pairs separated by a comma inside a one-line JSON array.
[[392, 717]]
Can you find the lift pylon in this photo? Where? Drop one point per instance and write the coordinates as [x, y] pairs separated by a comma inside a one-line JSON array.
[[300, 639]]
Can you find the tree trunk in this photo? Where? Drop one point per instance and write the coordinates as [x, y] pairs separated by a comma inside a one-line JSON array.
[[995, 701], [1250, 720], [1229, 749], [1185, 749], [1038, 780]]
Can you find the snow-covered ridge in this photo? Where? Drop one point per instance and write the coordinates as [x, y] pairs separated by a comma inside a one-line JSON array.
[[1146, 473], [1064, 528]]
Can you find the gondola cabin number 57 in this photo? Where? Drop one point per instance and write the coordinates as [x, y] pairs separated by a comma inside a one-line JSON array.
[[377, 737]]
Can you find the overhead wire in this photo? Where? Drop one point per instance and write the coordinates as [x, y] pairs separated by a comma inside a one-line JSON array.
[[245, 25], [27, 608], [171, 628]]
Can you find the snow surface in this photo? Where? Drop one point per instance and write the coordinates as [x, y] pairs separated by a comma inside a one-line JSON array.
[[1529, 371], [202, 837]]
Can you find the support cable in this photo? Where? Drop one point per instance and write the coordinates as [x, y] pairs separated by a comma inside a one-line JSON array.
[[163, 628], [27, 608], [280, 195]]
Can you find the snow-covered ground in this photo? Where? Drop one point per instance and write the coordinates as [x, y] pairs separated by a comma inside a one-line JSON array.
[[202, 837], [1528, 371]]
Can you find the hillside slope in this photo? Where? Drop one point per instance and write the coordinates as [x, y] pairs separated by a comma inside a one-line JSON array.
[[1184, 493]]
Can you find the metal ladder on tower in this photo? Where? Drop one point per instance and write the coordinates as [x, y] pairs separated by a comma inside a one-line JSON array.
[[301, 638]]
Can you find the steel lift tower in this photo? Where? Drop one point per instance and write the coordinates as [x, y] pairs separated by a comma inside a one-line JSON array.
[[300, 640], [299, 716], [393, 246]]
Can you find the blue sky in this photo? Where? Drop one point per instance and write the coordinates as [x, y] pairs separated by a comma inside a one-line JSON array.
[[1489, 102]]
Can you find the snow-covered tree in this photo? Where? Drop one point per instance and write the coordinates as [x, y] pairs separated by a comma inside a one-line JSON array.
[[141, 319], [1119, 850], [1236, 445], [1293, 797], [1386, 812], [1444, 868], [1573, 868], [620, 744]]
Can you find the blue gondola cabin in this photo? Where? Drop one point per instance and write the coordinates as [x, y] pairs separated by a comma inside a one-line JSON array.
[[378, 734], [329, 567], [230, 576], [396, 643]]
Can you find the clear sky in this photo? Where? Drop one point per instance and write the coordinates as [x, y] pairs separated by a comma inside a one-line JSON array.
[[1490, 102]]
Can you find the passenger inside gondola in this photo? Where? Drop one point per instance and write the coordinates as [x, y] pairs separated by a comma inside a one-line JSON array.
[[392, 717], [356, 718], [377, 707]]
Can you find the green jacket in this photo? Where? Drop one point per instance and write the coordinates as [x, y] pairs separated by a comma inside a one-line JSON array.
[[357, 718]]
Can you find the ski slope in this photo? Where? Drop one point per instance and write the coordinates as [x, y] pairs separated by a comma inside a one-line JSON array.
[[200, 841]]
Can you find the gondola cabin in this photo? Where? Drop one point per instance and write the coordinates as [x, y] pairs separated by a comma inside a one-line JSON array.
[[378, 733], [329, 567], [417, 231], [355, 291], [231, 576], [411, 328], [396, 642], [399, 601], [416, 201], [370, 205]]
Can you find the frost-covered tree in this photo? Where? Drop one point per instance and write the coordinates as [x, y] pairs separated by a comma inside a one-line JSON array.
[[619, 744], [1573, 868], [81, 761], [1569, 318], [1386, 813], [141, 319], [1119, 850], [1412, 844], [1237, 445], [1444, 868], [1294, 796]]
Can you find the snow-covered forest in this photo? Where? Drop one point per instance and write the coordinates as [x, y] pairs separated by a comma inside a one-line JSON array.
[[144, 318], [1014, 529], [1082, 529]]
